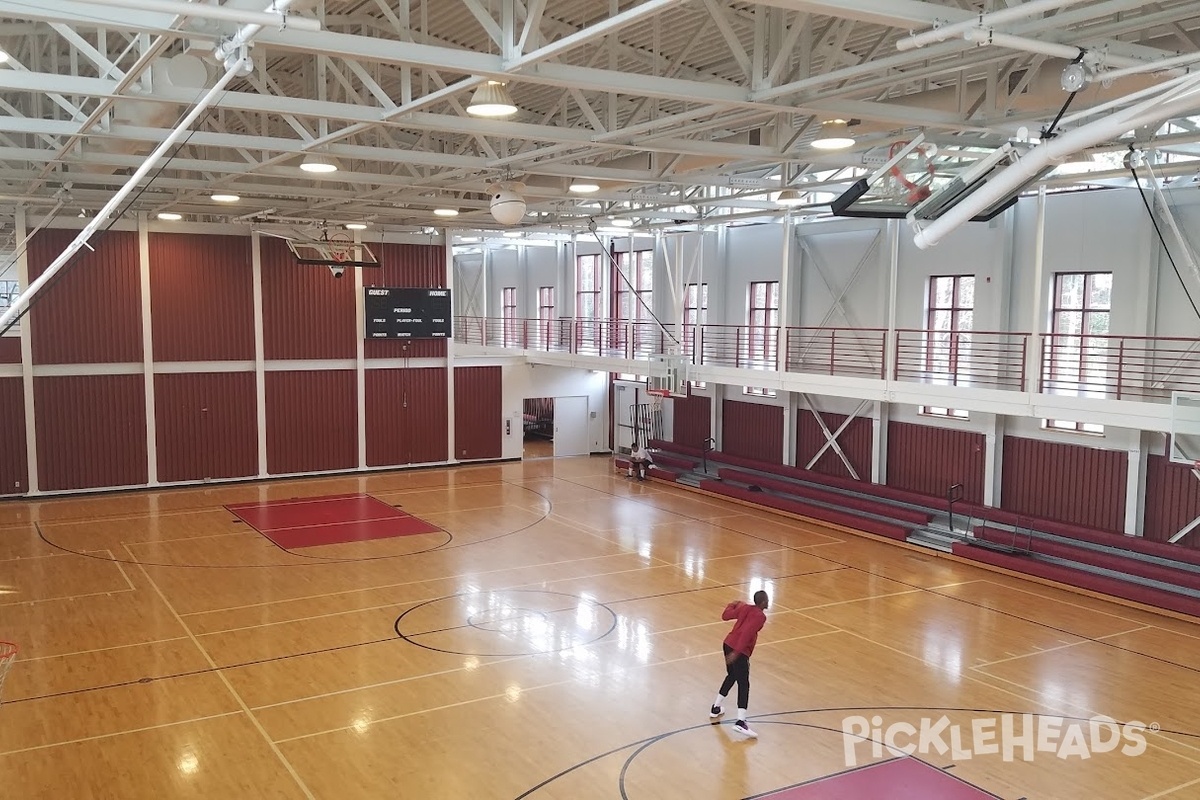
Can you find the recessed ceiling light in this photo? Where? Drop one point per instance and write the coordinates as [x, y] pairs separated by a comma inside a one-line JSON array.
[[514, 234], [446, 212], [170, 216], [619, 222], [584, 187], [315, 162], [226, 198], [3, 56], [790, 197], [356, 226]]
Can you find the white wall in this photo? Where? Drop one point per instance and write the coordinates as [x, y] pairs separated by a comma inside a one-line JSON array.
[[521, 381]]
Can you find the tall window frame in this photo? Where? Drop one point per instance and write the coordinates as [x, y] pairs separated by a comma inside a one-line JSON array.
[[762, 338], [949, 321], [1080, 321], [589, 300], [545, 316], [508, 313]]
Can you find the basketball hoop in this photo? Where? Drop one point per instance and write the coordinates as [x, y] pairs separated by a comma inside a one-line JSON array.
[[656, 398], [339, 248], [8, 654], [898, 185]]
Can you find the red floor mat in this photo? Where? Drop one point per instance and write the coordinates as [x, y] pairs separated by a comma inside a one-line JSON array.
[[316, 521], [900, 779]]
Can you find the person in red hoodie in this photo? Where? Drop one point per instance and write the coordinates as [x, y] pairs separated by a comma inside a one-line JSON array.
[[738, 647]]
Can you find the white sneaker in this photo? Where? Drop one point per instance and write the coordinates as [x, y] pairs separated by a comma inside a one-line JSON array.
[[741, 727], [715, 712]]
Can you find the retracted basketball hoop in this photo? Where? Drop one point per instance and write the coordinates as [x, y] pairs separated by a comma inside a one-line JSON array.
[[8, 654]]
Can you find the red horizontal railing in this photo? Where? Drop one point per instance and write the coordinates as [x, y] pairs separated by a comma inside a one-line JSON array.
[[854, 352], [740, 346], [989, 359], [1119, 367]]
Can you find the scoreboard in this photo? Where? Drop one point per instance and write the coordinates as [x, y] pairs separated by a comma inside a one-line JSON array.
[[407, 313]]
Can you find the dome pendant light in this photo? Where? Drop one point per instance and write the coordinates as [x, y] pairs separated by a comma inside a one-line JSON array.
[[491, 100]]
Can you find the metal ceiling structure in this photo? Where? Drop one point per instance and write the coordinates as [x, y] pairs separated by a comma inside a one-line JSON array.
[[677, 109]]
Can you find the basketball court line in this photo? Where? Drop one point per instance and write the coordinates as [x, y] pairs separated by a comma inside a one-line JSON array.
[[229, 686], [26, 659], [119, 733], [1172, 790], [524, 689], [1063, 601]]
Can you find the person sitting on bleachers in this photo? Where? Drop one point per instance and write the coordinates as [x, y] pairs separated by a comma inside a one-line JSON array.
[[639, 461]]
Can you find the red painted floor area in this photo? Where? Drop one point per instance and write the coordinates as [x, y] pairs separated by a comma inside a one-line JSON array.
[[338, 519], [900, 779]]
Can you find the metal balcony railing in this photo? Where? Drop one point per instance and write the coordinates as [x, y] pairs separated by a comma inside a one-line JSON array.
[[988, 359], [1119, 367], [1140, 368]]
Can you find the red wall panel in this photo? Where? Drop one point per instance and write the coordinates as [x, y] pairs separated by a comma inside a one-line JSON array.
[[10, 350], [691, 420], [14, 472], [201, 297], [1065, 482], [91, 431], [207, 426], [929, 460], [406, 416], [1172, 501], [478, 412], [91, 312], [307, 313], [312, 421], [752, 430], [855, 441], [407, 266]]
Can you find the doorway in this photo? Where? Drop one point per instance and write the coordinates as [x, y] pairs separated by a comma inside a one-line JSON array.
[[538, 413], [571, 427]]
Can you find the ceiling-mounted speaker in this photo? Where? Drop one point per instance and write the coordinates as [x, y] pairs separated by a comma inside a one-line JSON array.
[[507, 205]]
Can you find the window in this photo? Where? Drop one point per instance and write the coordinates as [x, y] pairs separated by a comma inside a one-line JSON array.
[[547, 330], [8, 293], [1079, 324], [762, 339], [695, 317], [589, 283], [546, 303], [950, 320], [638, 271], [508, 308]]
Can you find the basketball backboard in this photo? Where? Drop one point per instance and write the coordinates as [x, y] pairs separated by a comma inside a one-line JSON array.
[[921, 181], [668, 373], [1185, 428], [333, 252]]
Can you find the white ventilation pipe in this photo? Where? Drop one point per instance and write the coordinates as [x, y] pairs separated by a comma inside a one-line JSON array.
[[1019, 11], [22, 301], [1181, 100]]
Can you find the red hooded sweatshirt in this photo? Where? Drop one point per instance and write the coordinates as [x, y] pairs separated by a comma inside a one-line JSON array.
[[750, 619]]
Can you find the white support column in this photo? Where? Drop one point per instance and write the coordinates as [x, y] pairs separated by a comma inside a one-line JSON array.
[[31, 453], [1135, 485], [715, 415], [147, 350], [360, 359], [879, 442], [785, 320], [1033, 359], [260, 372], [993, 464], [893, 282], [450, 346], [790, 412]]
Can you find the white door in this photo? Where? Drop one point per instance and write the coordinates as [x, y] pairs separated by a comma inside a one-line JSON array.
[[571, 426], [624, 396]]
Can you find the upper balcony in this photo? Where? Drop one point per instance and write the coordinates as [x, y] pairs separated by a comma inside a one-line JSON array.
[[1124, 381]]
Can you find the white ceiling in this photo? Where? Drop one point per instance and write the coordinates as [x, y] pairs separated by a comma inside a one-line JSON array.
[[678, 108]]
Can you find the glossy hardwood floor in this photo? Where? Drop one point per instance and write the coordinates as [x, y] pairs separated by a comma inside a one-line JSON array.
[[564, 643]]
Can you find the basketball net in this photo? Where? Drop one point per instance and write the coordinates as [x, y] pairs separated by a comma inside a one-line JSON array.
[[8, 654], [909, 181]]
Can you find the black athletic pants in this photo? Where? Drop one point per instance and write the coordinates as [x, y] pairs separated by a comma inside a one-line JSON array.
[[737, 671]]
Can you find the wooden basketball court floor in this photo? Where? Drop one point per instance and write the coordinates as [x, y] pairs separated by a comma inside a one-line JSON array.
[[558, 637]]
